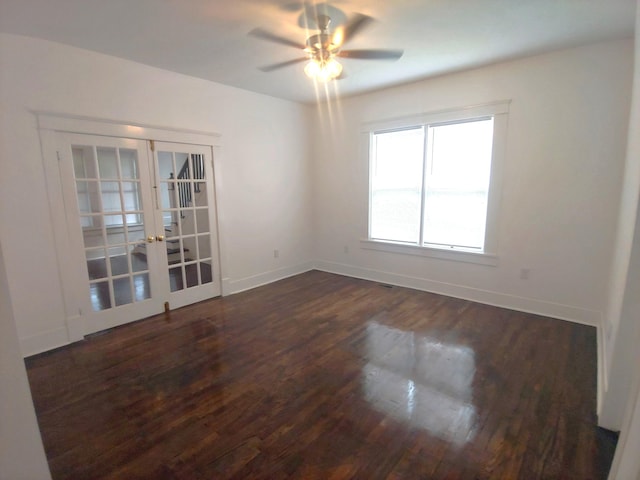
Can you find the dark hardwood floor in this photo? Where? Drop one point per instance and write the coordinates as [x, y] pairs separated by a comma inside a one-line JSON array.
[[321, 376]]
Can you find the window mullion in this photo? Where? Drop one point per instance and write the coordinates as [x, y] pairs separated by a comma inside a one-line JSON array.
[[425, 130]]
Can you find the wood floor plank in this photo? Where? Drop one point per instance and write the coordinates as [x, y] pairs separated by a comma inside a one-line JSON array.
[[325, 376]]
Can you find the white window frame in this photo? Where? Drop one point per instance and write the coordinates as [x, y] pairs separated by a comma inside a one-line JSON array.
[[489, 254]]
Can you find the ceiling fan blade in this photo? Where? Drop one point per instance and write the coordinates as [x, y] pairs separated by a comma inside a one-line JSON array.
[[357, 23], [272, 37], [276, 66], [293, 6], [372, 54]]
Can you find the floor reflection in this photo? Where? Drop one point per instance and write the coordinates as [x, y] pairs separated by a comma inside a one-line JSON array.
[[420, 380]]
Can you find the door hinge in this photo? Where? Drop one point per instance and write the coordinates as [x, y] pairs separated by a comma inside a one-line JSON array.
[[152, 144], [58, 155]]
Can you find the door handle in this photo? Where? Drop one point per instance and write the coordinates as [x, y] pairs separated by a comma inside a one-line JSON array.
[[160, 238], [150, 238]]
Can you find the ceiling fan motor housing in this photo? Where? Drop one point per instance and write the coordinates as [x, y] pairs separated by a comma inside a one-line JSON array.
[[322, 41]]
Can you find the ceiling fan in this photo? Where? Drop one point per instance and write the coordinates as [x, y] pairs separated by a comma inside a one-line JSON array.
[[322, 48]]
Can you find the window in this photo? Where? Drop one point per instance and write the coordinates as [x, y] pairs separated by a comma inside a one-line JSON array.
[[433, 184]]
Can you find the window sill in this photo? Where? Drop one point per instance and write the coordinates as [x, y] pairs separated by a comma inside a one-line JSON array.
[[480, 258]]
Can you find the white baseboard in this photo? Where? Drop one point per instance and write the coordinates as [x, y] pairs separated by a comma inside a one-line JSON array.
[[43, 341], [75, 330], [231, 286], [513, 302]]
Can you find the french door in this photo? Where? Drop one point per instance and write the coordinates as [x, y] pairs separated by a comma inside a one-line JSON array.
[[141, 224], [186, 211]]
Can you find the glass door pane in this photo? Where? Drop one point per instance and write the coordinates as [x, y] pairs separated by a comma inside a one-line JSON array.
[[110, 203], [186, 199], [185, 213]]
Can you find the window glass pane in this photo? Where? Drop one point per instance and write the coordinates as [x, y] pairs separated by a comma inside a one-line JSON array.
[[204, 246], [139, 259], [200, 194], [88, 196], [191, 271], [170, 220], [110, 197], [83, 162], [174, 249], [96, 264], [93, 236], [167, 194], [84, 200], [133, 218], [175, 279], [396, 185], [457, 185], [141, 287], [122, 290], [131, 194], [128, 163], [197, 165], [182, 166], [113, 220], [165, 165], [107, 163], [135, 233], [202, 218], [119, 261], [461, 153], [185, 194], [188, 224], [455, 218], [189, 249], [117, 251], [205, 272], [87, 222], [99, 293]]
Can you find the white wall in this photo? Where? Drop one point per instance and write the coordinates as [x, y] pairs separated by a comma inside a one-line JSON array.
[[564, 161], [22, 456], [626, 462], [566, 146], [622, 321], [265, 199]]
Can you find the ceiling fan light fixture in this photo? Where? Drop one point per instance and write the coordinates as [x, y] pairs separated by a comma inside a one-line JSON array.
[[323, 70], [322, 49]]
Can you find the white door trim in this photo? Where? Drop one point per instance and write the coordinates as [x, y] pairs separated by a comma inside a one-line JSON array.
[[113, 128], [50, 123]]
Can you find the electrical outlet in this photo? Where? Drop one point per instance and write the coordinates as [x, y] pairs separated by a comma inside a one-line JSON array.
[[276, 253], [524, 273], [346, 249]]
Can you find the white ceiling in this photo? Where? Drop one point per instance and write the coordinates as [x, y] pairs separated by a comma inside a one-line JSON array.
[[208, 38]]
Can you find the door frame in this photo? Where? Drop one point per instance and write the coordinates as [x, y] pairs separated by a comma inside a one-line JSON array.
[[49, 125]]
